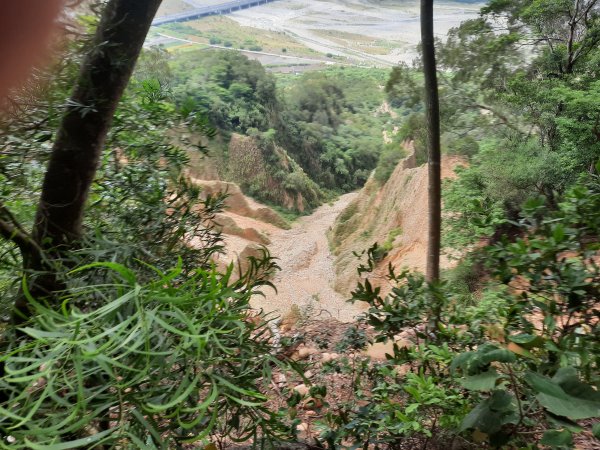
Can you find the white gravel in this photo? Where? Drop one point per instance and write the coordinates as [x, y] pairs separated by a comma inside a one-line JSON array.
[[307, 271]]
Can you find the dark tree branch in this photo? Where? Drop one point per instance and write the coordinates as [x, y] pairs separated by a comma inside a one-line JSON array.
[[80, 139], [11, 230]]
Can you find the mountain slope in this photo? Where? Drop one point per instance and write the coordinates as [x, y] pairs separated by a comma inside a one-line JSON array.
[[393, 215]]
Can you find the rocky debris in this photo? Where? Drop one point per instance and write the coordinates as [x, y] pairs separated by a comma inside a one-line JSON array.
[[252, 234], [302, 389], [311, 404], [305, 282], [378, 350], [326, 357], [238, 203], [281, 380], [276, 335], [303, 427], [306, 352], [251, 251]]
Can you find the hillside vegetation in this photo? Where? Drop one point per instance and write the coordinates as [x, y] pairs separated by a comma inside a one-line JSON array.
[[309, 136], [134, 264]]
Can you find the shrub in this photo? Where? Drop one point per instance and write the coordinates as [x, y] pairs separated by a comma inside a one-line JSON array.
[[158, 364], [521, 362], [389, 158]]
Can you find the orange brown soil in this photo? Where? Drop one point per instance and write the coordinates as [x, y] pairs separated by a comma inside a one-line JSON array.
[[395, 213]]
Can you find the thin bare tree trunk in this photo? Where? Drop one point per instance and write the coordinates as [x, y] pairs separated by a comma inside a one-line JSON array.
[[75, 156], [433, 141]]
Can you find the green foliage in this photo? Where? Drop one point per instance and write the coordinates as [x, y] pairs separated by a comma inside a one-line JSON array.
[[520, 356], [266, 172], [324, 121], [155, 364], [473, 210], [133, 354], [328, 126], [353, 339], [399, 407], [390, 156], [233, 91], [141, 198], [560, 278], [550, 325], [530, 71]]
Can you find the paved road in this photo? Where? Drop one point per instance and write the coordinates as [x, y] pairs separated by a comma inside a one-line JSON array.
[[221, 8]]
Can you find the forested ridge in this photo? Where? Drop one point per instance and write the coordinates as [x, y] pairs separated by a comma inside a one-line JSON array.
[[122, 328]]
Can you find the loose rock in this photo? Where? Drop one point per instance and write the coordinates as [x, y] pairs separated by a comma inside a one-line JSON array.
[[302, 389]]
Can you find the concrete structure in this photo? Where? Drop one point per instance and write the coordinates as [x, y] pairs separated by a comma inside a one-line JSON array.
[[223, 8]]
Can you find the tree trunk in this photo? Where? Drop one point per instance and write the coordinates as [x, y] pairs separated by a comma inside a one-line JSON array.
[[433, 141], [75, 156]]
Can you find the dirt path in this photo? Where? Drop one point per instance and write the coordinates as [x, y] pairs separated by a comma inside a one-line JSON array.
[[307, 273]]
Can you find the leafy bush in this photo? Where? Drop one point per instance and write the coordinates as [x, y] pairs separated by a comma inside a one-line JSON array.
[[160, 363], [520, 360], [134, 355], [389, 158], [353, 339]]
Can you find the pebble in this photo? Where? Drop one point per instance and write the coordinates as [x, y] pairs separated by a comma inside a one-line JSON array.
[[305, 352], [326, 357], [302, 389], [281, 379]]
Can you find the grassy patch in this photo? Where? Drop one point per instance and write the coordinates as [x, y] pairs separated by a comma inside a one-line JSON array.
[[221, 30]]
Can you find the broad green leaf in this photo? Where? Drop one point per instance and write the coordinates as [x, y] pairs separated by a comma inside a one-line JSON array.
[[557, 438], [485, 381], [491, 414], [527, 341], [596, 430], [571, 398]]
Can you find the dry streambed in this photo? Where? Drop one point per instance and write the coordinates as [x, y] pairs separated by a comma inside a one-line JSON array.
[[307, 272], [305, 281]]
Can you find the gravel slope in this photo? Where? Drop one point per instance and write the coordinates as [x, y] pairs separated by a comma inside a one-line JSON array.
[[307, 272]]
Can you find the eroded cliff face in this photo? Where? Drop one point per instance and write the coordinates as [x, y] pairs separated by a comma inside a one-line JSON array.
[[262, 169], [265, 171], [393, 215]]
